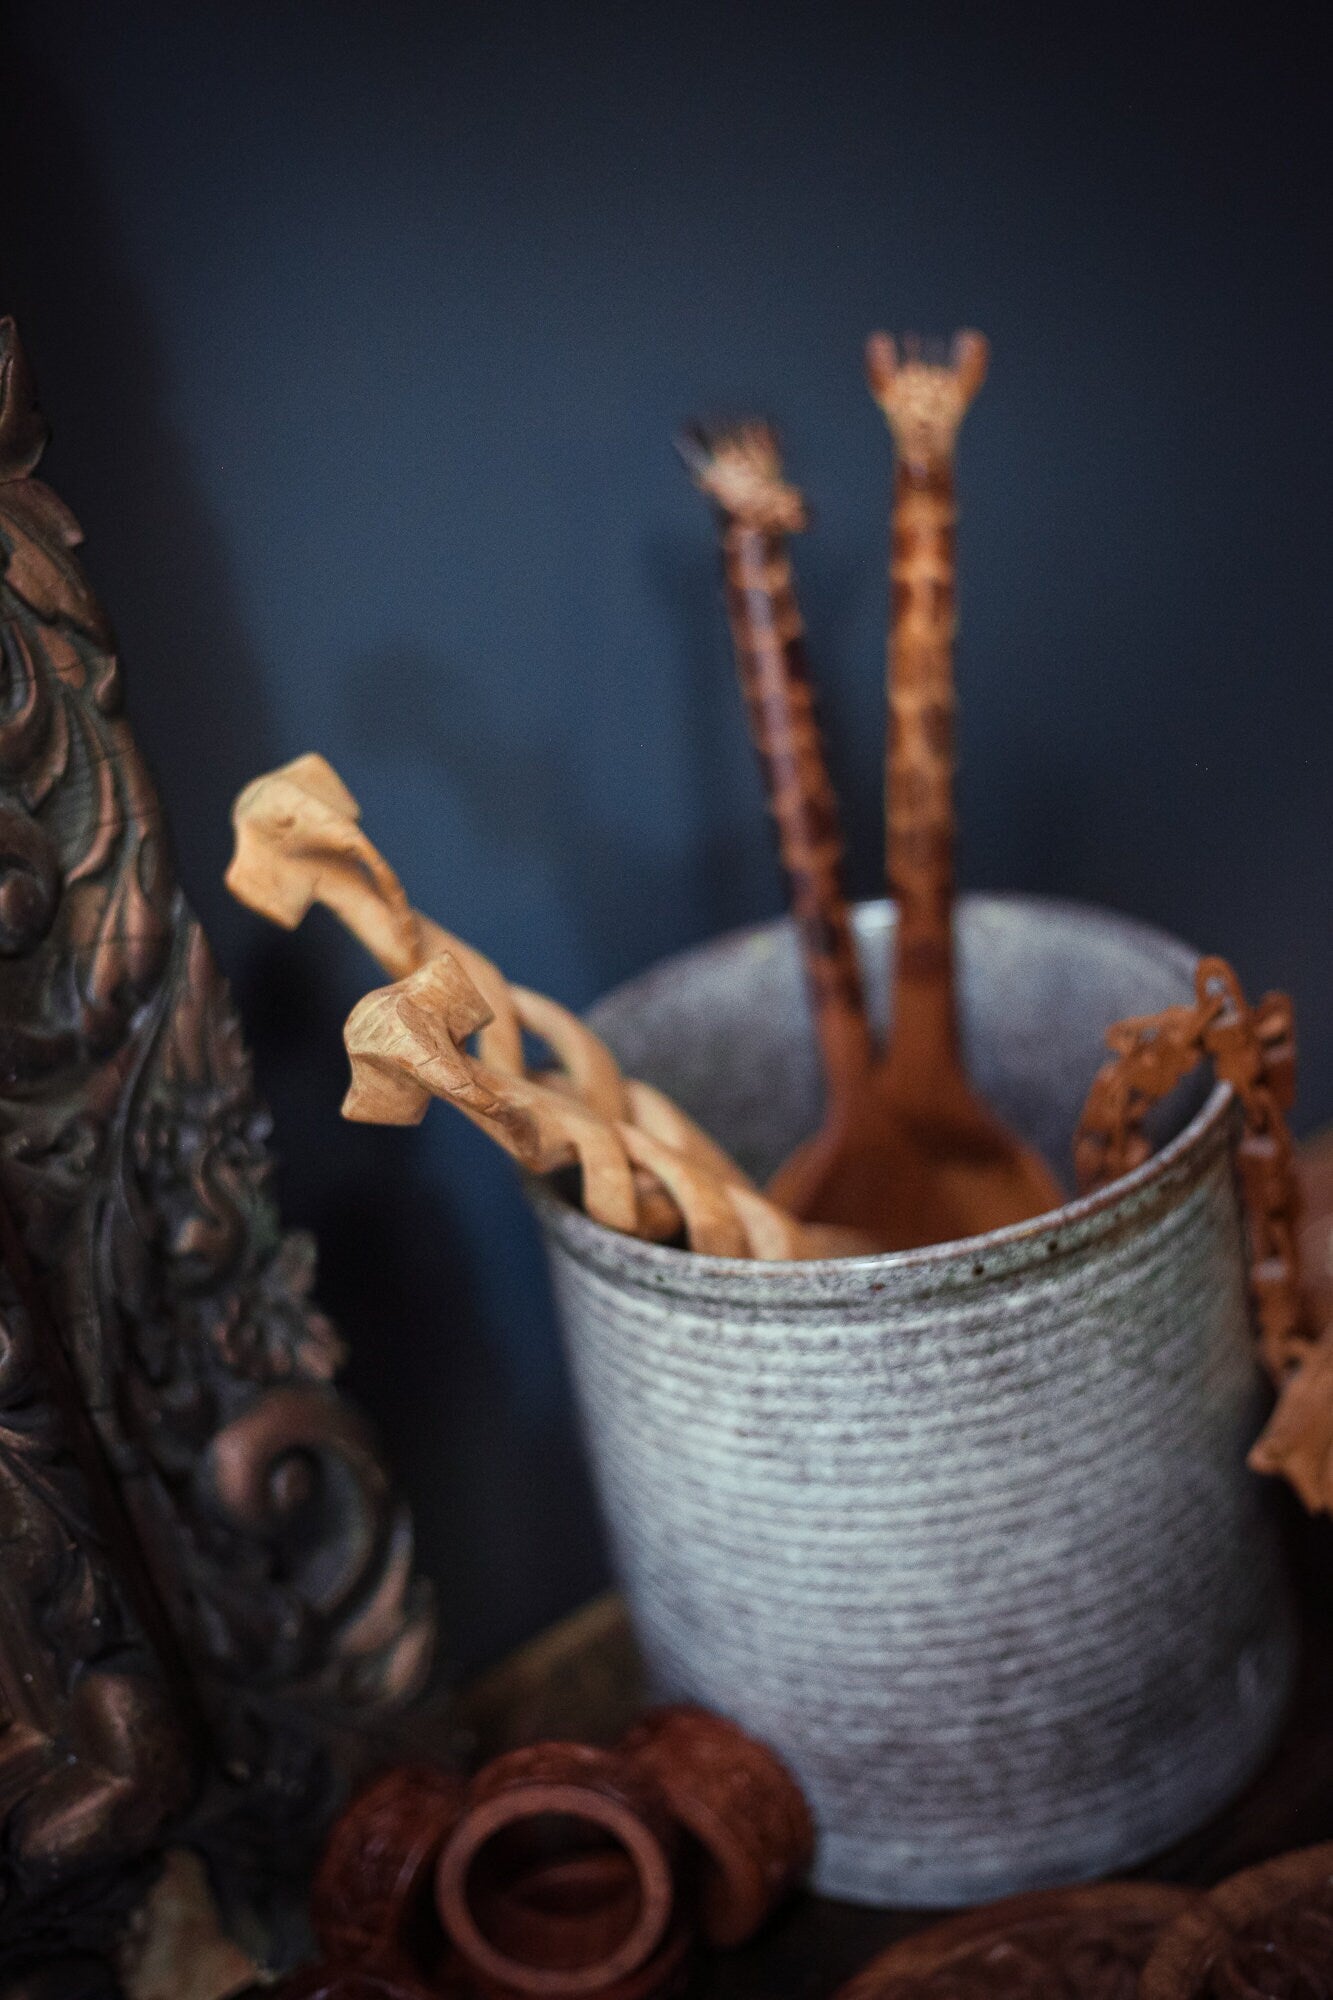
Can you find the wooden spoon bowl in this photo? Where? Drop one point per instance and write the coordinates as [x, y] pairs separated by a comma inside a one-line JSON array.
[[907, 1175]]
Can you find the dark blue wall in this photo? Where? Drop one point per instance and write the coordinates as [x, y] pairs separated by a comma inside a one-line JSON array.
[[365, 330]]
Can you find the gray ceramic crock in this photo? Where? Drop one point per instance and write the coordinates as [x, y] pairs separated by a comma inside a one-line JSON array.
[[966, 1532]]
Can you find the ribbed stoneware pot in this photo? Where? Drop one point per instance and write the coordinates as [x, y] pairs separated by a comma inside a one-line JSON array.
[[966, 1533]]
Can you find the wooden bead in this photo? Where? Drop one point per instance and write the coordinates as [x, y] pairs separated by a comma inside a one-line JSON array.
[[741, 1805], [371, 1894], [558, 1878]]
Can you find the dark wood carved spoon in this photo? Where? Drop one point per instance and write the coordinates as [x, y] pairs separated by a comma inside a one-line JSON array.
[[740, 469]]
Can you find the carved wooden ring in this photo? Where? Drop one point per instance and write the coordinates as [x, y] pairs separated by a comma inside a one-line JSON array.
[[741, 1805], [506, 1929], [567, 1912], [662, 1974], [371, 1894], [1265, 1934]]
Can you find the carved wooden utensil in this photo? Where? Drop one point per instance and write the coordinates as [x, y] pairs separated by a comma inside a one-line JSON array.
[[647, 1169], [907, 1152], [409, 1042], [740, 469], [299, 841], [940, 1165]]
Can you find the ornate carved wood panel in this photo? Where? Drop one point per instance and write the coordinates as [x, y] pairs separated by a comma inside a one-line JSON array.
[[204, 1572]]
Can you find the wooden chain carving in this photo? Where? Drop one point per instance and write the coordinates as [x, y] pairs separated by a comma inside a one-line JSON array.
[[1254, 1050], [647, 1169], [213, 1553]]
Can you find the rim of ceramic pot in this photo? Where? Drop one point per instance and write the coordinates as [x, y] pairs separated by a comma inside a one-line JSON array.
[[1071, 1230]]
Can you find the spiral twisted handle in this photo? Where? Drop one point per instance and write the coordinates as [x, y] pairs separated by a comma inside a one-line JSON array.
[[647, 1169]]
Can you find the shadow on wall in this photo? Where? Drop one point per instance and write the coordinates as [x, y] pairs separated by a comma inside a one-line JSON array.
[[633, 895], [505, 1521], [625, 891], [153, 552]]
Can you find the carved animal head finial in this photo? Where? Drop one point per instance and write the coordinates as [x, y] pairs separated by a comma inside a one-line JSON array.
[[407, 1043], [1297, 1441], [299, 841], [741, 469], [420, 1024], [924, 400]]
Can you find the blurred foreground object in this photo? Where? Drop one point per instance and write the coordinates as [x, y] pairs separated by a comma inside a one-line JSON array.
[[176, 1948], [1059, 1944], [1265, 1934], [206, 1578]]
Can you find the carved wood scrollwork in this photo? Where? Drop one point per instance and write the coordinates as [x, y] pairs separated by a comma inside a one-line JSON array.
[[198, 1544]]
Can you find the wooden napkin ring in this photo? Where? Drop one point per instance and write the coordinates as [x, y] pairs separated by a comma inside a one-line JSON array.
[[558, 1878], [566, 1911], [1268, 1930], [660, 1976], [371, 1896], [741, 1805]]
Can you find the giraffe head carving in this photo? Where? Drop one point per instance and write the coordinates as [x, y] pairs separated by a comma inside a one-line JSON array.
[[925, 400], [740, 468]]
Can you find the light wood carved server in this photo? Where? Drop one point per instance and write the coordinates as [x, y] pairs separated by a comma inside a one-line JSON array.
[[205, 1575]]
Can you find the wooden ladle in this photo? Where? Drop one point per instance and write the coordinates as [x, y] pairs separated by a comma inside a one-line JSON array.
[[907, 1153]]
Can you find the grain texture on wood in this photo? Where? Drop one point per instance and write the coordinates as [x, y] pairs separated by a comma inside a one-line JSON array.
[[741, 1806]]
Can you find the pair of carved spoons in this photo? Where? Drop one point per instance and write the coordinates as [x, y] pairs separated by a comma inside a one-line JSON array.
[[451, 1026], [907, 1153]]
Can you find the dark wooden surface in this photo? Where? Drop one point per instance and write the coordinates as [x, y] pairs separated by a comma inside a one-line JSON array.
[[582, 1679]]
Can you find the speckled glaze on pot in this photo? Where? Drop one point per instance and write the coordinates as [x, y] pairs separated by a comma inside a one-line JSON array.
[[965, 1533]]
